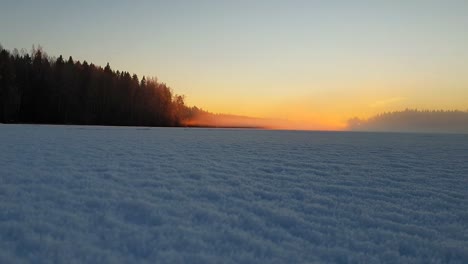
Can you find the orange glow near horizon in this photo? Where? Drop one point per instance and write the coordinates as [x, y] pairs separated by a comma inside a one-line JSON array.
[[298, 64], [327, 111]]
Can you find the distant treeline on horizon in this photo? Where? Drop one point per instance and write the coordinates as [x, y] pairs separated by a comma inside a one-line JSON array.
[[39, 89], [413, 120], [36, 88]]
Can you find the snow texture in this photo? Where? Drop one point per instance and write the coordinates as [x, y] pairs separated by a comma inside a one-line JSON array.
[[71, 194]]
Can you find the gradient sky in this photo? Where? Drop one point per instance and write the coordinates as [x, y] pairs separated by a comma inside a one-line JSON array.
[[316, 61]]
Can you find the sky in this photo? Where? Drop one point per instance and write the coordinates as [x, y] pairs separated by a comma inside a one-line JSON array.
[[314, 63]]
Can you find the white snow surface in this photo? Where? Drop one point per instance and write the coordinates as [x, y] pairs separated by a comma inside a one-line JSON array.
[[75, 194]]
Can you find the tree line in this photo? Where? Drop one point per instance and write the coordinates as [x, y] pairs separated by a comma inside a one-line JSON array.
[[413, 120], [37, 88]]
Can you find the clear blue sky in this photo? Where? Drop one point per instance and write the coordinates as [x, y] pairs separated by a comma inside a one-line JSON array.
[[290, 59]]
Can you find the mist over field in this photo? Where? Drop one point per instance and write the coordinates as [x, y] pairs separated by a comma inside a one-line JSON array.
[[423, 121], [221, 131], [37, 88], [414, 121]]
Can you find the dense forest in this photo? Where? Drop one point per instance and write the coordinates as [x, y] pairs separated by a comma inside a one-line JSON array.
[[37, 88], [412, 120]]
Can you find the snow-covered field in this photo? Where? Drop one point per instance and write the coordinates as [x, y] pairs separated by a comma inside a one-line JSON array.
[[72, 194]]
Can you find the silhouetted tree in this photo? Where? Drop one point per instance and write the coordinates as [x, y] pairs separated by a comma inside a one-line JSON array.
[[35, 88]]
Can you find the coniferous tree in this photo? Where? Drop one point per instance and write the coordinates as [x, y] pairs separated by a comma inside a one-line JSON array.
[[35, 88]]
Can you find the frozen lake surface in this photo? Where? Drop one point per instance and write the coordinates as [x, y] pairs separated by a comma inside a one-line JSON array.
[[72, 194]]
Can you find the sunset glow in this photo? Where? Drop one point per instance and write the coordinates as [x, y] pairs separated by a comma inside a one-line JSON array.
[[313, 65], [233, 131]]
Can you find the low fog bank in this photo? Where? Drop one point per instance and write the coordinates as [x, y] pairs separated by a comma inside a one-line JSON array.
[[414, 121], [201, 118]]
